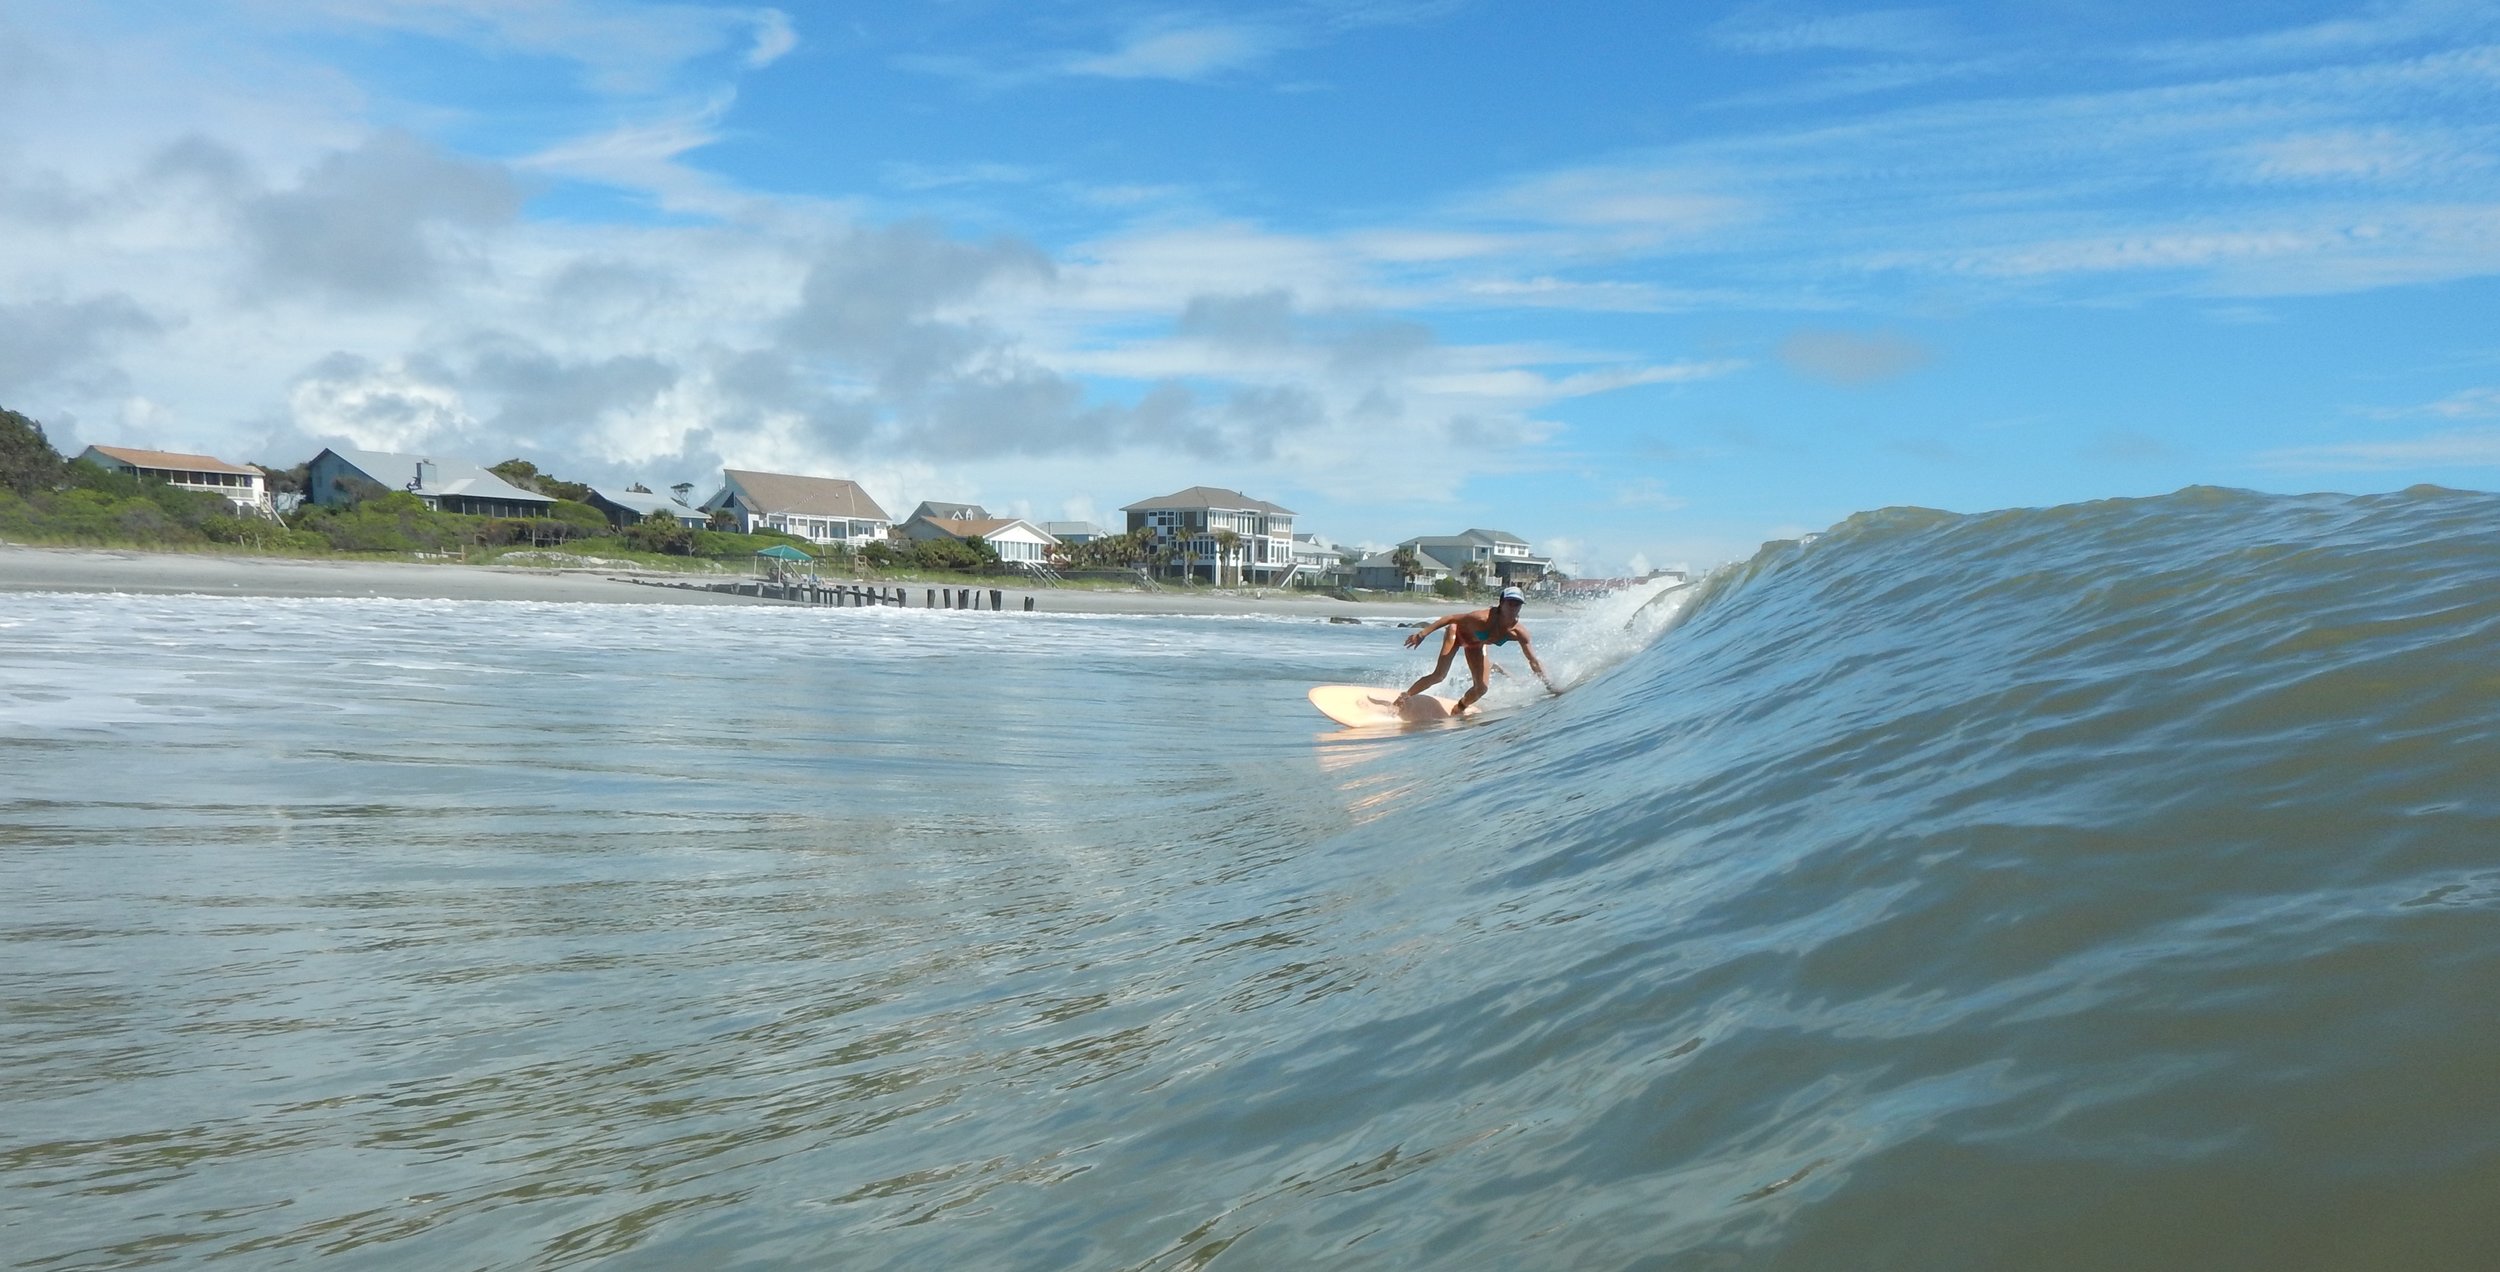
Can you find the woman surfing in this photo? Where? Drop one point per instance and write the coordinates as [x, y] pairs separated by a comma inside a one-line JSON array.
[[1472, 631]]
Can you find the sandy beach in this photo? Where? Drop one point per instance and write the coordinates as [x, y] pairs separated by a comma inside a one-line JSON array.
[[33, 569]]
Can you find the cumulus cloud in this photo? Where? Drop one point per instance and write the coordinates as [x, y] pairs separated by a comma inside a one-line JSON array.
[[540, 394], [372, 223], [1257, 320], [54, 342], [878, 298], [396, 405], [1852, 358]]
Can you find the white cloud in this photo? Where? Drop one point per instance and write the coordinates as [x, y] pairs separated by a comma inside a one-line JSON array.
[[403, 293], [774, 37], [378, 406], [2372, 155], [2457, 448], [2474, 403], [1764, 28], [1181, 52], [647, 156], [2379, 26], [1656, 204], [626, 49], [2316, 180]]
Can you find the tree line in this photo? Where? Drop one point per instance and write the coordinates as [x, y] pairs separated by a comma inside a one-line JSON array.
[[46, 498]]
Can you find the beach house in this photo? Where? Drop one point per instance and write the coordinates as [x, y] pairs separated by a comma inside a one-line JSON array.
[[341, 475], [1075, 531], [243, 485], [1221, 535], [1319, 563], [1017, 542], [818, 509], [934, 510], [1379, 572], [1493, 557], [629, 507]]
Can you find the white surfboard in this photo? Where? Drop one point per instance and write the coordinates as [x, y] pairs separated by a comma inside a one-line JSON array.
[[1367, 705]]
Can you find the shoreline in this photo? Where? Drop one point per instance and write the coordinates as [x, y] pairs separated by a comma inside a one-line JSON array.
[[25, 568]]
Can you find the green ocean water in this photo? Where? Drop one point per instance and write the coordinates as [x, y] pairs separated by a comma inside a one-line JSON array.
[[2110, 886]]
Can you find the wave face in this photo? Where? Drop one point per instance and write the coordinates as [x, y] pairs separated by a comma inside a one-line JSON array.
[[2108, 886], [2101, 886]]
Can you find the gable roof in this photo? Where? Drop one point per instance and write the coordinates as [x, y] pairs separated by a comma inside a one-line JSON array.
[[1207, 497], [644, 502], [811, 496], [980, 527], [1425, 566], [949, 511], [1471, 538], [174, 460], [451, 476]]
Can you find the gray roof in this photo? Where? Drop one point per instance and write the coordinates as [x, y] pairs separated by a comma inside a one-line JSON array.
[[1388, 561], [450, 475], [644, 502], [1208, 497], [810, 496], [948, 511], [1471, 537], [1062, 529]]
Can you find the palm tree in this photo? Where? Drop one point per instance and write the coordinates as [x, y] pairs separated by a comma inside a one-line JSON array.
[[1226, 542], [1407, 564]]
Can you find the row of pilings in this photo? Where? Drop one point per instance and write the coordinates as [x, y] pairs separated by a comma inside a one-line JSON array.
[[839, 595]]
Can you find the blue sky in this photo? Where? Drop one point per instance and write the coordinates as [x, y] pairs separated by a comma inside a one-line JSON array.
[[1645, 287]]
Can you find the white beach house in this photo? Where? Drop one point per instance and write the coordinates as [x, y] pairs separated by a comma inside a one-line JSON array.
[[1320, 563], [243, 485], [818, 509], [1017, 542]]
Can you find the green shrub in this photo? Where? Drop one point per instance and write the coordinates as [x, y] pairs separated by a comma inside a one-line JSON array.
[[660, 533], [28, 463], [586, 519], [393, 522]]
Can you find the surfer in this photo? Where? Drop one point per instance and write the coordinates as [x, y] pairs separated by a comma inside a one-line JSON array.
[[1472, 631]]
